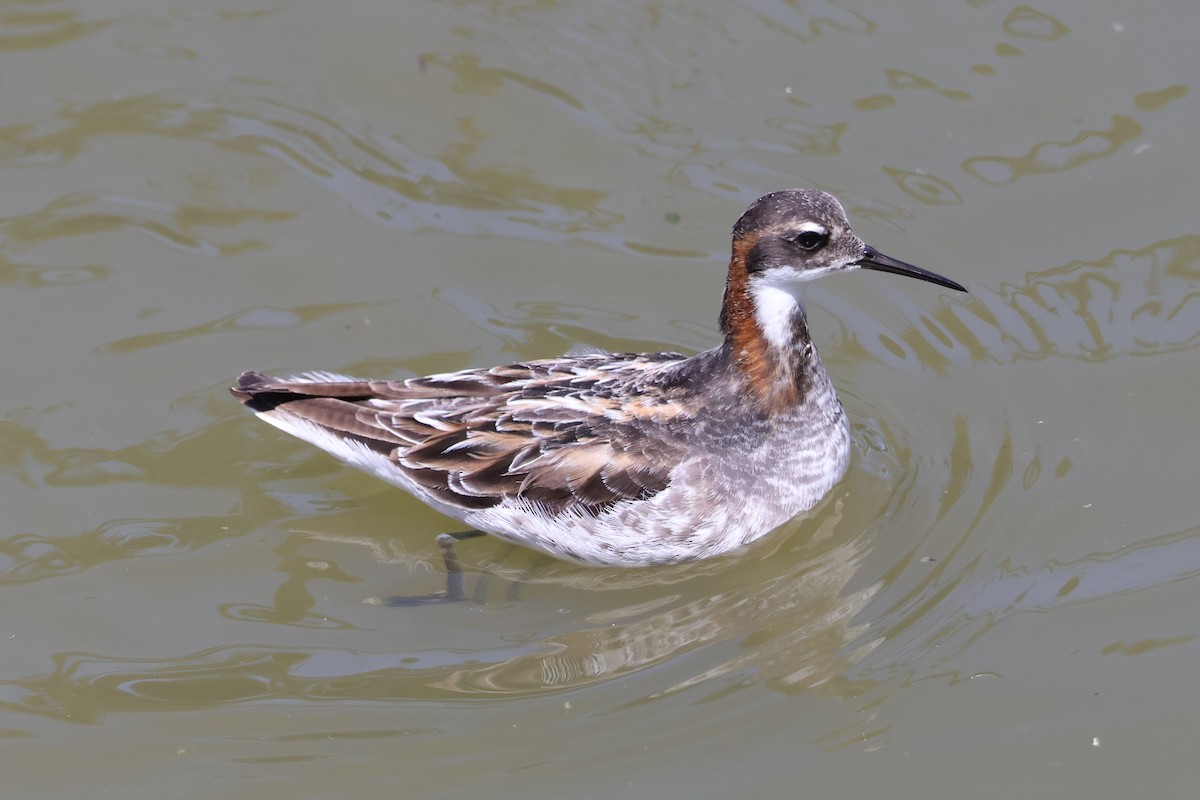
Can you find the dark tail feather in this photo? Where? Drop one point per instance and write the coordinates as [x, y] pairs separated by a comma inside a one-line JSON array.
[[260, 392]]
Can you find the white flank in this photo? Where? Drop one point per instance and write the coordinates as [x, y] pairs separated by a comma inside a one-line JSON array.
[[358, 455], [322, 377], [349, 451]]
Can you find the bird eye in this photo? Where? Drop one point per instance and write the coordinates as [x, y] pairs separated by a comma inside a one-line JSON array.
[[810, 240]]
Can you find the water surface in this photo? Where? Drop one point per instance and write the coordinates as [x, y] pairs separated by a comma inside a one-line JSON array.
[[996, 602]]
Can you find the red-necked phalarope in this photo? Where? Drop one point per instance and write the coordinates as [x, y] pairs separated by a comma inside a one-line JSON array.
[[626, 459]]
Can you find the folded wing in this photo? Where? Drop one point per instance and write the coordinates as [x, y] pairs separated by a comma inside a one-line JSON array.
[[550, 432]]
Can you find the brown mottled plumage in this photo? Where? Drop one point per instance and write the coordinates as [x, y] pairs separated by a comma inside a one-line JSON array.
[[549, 431]]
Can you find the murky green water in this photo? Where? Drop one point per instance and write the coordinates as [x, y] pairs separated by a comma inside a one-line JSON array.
[[999, 599]]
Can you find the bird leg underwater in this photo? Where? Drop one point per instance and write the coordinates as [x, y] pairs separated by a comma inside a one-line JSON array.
[[454, 575]]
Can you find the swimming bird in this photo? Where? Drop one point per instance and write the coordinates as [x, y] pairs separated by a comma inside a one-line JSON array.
[[628, 459]]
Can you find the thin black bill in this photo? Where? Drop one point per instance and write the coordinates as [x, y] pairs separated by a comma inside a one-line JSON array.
[[878, 261]]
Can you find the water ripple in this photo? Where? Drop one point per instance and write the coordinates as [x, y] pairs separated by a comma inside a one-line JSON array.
[[44, 29]]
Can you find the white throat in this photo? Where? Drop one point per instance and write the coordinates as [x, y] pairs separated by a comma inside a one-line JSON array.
[[775, 305]]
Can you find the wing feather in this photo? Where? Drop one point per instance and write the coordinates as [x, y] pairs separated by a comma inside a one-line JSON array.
[[551, 432]]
